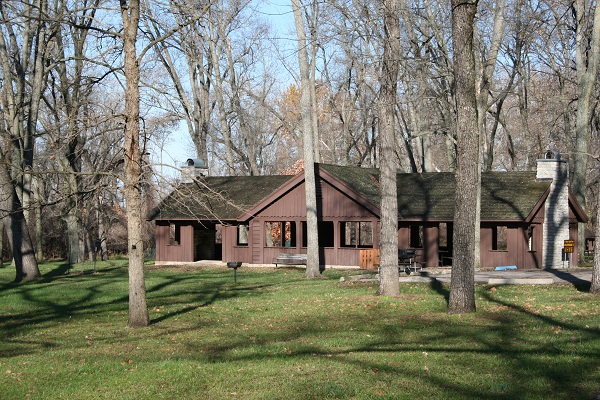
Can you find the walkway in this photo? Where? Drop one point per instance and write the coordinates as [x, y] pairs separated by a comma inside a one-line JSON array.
[[533, 277]]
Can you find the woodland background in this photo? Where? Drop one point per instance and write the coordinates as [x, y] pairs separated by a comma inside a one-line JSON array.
[[226, 73]]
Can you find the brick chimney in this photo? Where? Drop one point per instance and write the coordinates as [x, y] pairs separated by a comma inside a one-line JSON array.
[[556, 211]]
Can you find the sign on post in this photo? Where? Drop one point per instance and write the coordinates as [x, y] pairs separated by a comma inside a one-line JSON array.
[[569, 246]]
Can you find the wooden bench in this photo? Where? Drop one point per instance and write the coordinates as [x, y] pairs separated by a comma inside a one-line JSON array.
[[290, 259]]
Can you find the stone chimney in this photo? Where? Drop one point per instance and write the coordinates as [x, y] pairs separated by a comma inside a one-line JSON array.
[[192, 170], [556, 211]]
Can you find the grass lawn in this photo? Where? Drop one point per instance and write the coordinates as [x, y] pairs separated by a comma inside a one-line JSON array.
[[274, 335]]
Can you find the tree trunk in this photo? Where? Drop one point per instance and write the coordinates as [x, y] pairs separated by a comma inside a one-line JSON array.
[[488, 65], [1, 244], [389, 283], [248, 135], [312, 246], [595, 288], [220, 99], [594, 57], [138, 309], [14, 222], [89, 245], [586, 62], [39, 231], [101, 232], [462, 291], [587, 67], [73, 235]]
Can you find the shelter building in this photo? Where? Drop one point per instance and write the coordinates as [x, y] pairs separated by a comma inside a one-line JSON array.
[[525, 217]]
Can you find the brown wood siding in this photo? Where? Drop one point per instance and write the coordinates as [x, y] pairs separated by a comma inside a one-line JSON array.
[[183, 252], [289, 206], [343, 256], [187, 243], [535, 255], [336, 204], [162, 237], [430, 257], [229, 240], [490, 258], [517, 248], [573, 235], [255, 241], [241, 254], [539, 216], [403, 237], [231, 250], [335, 207]]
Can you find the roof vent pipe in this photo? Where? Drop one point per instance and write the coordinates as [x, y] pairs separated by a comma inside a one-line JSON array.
[[552, 155]]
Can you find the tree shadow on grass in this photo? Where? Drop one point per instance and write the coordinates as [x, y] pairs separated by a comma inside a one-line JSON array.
[[201, 296], [433, 349], [560, 366], [441, 289], [53, 274], [60, 297], [581, 285]]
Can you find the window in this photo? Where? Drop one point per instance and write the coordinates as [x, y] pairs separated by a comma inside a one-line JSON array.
[[280, 234], [499, 241], [242, 235], [357, 234], [416, 236], [530, 238], [325, 234], [174, 234]]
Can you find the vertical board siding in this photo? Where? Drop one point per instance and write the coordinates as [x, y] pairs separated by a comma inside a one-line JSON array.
[[290, 205], [256, 242]]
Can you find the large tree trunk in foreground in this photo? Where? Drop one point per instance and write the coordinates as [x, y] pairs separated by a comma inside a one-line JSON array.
[[595, 288], [587, 90], [388, 277], [462, 291], [138, 309], [14, 222], [312, 247]]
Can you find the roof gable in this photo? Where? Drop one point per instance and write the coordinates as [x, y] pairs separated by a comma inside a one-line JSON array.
[[216, 198], [505, 196]]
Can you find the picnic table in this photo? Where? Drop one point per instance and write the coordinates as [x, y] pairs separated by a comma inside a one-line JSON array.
[[407, 260]]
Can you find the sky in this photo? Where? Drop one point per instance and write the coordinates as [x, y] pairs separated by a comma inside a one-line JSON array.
[[179, 147]]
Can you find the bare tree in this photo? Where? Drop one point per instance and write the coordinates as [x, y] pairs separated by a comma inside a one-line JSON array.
[[587, 82], [389, 284], [307, 112], [462, 291], [487, 66], [586, 61], [24, 36], [68, 95], [14, 222], [138, 310]]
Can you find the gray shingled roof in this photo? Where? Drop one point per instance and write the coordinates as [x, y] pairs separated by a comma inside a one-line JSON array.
[[505, 196], [508, 196], [217, 198]]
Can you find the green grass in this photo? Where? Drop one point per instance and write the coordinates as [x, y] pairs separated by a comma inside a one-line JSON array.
[[274, 335]]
